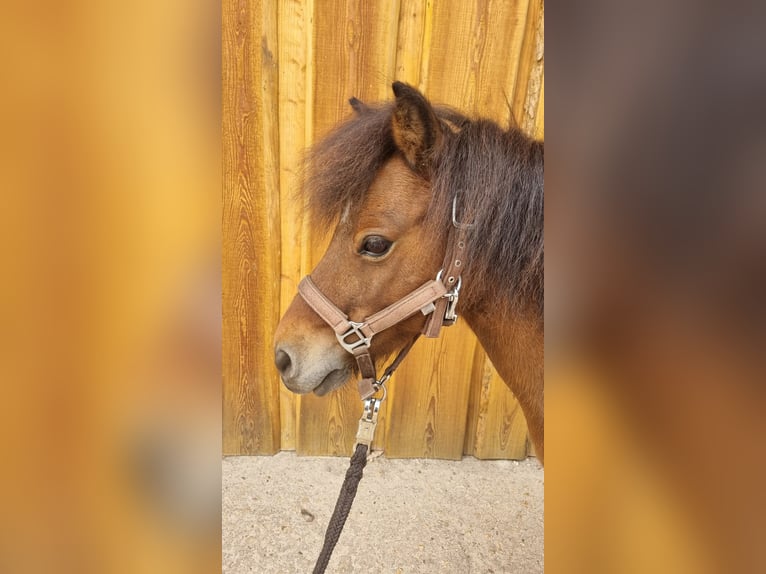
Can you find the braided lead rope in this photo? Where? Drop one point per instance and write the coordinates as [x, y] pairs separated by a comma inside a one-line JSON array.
[[342, 506], [364, 435]]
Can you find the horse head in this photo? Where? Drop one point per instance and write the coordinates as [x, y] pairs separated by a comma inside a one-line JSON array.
[[371, 178]]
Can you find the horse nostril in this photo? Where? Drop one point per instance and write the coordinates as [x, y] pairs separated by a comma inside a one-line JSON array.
[[283, 362]]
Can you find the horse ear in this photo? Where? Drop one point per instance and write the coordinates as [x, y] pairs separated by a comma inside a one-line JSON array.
[[416, 129], [359, 106]]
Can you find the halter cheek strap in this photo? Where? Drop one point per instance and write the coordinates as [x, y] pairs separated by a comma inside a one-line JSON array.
[[444, 313]]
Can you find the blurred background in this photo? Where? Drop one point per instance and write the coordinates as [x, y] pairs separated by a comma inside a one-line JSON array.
[[111, 315], [655, 276], [111, 307]]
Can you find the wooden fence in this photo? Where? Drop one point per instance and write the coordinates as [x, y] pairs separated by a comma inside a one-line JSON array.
[[289, 68]]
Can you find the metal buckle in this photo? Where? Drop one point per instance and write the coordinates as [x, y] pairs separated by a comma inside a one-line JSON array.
[[450, 314], [455, 222], [368, 422], [381, 383], [361, 341]]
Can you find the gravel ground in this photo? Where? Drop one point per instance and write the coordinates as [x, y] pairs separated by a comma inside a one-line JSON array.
[[409, 516]]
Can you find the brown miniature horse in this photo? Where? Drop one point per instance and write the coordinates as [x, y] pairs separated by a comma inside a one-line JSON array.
[[387, 179]]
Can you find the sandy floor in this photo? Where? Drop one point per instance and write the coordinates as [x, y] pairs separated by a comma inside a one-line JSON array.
[[409, 516]]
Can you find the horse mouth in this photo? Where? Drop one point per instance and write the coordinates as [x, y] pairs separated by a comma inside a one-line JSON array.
[[333, 380]]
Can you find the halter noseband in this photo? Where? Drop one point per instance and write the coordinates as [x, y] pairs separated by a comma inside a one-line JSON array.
[[436, 298]]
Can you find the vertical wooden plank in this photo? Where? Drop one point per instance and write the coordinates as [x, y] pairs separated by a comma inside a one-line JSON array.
[[327, 425], [354, 54], [496, 425], [295, 32], [425, 53], [501, 429], [530, 66], [475, 46], [429, 398], [474, 399], [409, 44], [272, 184], [250, 247]]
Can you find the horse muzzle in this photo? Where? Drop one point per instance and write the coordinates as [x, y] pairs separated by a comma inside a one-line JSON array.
[[304, 370]]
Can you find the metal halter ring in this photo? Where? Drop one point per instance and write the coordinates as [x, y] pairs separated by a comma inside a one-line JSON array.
[[381, 384]]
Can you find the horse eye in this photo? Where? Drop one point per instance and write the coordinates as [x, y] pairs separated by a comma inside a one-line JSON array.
[[375, 245]]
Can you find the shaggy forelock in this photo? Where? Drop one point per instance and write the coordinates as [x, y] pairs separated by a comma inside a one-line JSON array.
[[340, 168]]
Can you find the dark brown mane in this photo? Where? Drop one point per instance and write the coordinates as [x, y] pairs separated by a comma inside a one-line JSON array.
[[497, 173]]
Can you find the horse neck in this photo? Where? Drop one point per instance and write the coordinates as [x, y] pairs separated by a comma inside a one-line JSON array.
[[514, 342]]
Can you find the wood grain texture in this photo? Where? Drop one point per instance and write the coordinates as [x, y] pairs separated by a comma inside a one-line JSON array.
[[531, 67], [354, 49], [429, 398], [250, 249], [410, 41], [473, 55], [289, 68], [327, 425], [474, 399], [354, 55], [496, 427], [295, 33], [501, 430]]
